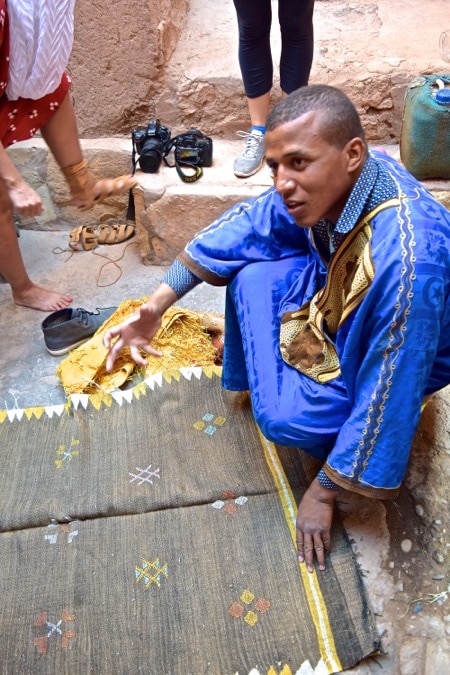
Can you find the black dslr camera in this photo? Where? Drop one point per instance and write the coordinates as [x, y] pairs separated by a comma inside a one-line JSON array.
[[193, 149], [151, 145]]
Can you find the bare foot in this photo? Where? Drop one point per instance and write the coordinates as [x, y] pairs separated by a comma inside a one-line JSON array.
[[25, 200], [36, 297]]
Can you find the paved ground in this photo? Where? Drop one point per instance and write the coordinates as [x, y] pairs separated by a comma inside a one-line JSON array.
[[27, 369], [417, 642]]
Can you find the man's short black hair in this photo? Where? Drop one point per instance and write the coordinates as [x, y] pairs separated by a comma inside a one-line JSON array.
[[340, 122]]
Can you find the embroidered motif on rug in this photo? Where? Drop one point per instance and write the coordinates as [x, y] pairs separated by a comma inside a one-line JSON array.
[[210, 423], [54, 630], [151, 572], [144, 475], [229, 506], [248, 614], [66, 454], [61, 531]]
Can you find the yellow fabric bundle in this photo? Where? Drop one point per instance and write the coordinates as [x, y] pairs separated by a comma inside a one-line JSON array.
[[183, 340]]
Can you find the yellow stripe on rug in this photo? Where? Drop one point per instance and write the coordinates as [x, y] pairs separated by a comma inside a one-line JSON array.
[[314, 595]]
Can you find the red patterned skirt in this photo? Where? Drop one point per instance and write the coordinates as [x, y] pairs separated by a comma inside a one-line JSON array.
[[19, 120]]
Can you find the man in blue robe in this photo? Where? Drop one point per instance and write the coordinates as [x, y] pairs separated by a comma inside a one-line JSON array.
[[337, 314]]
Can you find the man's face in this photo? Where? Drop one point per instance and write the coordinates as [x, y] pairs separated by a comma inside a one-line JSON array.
[[313, 177]]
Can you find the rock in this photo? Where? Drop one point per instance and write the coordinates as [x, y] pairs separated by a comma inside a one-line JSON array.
[[411, 656], [438, 557]]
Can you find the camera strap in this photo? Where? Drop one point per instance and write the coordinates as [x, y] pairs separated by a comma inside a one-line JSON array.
[[189, 178], [134, 154], [186, 178], [131, 210]]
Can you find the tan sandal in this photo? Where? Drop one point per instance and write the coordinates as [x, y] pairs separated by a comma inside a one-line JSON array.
[[83, 186], [83, 238], [114, 233]]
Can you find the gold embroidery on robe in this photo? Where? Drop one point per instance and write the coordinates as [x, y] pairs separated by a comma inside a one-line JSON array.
[[304, 342]]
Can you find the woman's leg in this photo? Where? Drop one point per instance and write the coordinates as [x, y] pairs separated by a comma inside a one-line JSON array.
[[61, 135], [297, 43], [255, 60], [12, 268], [258, 109]]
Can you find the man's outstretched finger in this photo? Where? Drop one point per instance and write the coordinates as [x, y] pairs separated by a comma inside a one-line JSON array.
[[137, 356], [113, 354], [319, 550], [108, 336]]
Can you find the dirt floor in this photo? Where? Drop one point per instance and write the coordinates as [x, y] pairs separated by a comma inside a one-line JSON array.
[[410, 548]]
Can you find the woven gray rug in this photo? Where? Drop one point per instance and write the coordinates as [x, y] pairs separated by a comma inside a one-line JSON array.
[[153, 532]]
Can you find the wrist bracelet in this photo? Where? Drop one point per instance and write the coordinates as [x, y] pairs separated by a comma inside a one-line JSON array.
[[180, 279], [327, 482]]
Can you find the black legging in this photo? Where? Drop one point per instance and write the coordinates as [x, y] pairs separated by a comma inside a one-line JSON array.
[[297, 44]]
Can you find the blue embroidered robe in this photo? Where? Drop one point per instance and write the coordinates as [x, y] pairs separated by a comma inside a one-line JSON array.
[[338, 354]]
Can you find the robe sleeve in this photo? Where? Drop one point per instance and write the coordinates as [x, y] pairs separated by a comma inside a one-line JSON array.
[[390, 349], [259, 229]]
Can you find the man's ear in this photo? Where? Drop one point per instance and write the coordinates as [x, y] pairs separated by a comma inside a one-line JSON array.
[[356, 151]]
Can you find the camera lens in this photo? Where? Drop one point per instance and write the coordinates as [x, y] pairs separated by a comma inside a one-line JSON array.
[[150, 161], [151, 144], [151, 155]]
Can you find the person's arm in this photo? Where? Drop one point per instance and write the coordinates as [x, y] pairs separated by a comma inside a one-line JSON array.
[[387, 353], [258, 229], [372, 450], [25, 200]]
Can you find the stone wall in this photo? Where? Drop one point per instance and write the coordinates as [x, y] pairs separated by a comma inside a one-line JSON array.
[[428, 476], [118, 61], [178, 60]]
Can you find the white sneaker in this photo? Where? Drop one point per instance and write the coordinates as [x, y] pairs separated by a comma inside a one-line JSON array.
[[253, 156]]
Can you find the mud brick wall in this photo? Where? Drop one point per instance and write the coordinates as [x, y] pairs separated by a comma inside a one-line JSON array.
[[118, 61]]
